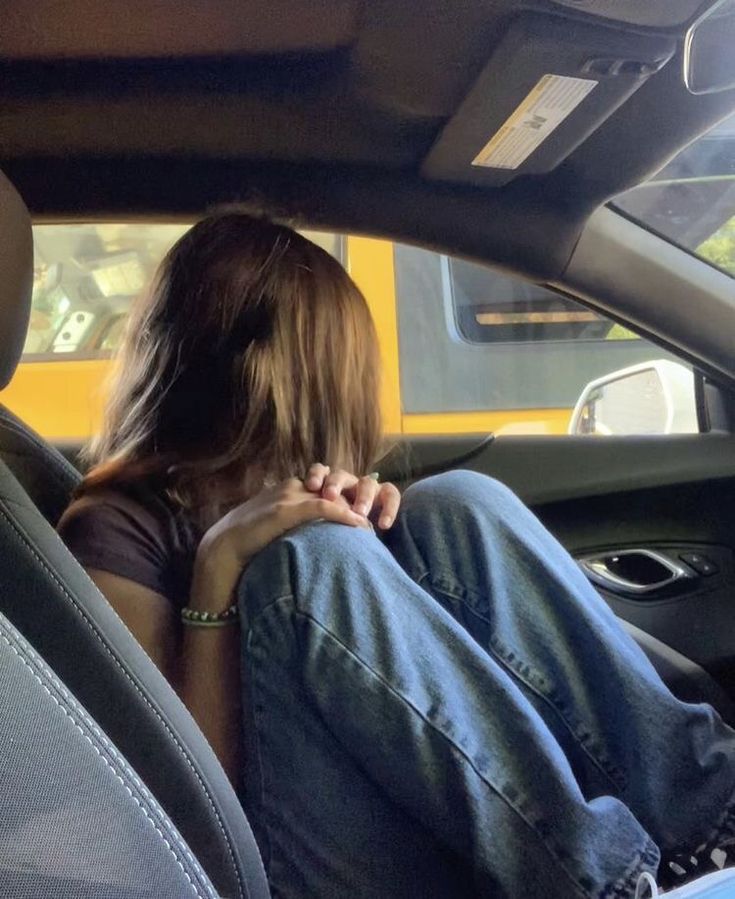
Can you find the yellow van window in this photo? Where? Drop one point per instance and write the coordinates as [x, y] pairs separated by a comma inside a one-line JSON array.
[[483, 352], [87, 275], [494, 308]]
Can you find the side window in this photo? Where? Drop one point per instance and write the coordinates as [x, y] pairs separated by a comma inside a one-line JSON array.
[[476, 351], [86, 277], [481, 351]]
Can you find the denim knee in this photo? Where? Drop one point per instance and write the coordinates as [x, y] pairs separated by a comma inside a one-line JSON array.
[[459, 490], [273, 573], [329, 540]]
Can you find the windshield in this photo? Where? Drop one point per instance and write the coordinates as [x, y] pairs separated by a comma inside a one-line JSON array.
[[691, 201]]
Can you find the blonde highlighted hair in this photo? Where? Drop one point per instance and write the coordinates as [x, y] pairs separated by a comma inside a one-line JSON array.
[[253, 350]]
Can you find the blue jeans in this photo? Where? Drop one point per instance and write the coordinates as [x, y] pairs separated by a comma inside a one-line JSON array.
[[454, 712]]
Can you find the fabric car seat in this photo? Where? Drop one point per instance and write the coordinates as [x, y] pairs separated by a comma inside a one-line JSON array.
[[77, 822], [43, 472], [55, 619]]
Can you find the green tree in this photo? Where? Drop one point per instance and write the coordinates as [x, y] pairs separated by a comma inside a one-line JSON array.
[[719, 248]]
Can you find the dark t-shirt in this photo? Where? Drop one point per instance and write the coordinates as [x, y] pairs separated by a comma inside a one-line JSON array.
[[137, 534]]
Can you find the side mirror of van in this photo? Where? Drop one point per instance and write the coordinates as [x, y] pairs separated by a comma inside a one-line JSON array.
[[649, 398]]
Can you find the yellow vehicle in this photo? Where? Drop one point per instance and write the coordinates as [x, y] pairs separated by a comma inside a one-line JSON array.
[[508, 356]]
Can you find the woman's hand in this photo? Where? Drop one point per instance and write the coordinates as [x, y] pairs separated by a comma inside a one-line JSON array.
[[228, 546], [364, 494]]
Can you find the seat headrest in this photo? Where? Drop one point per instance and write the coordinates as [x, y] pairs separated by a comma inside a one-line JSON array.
[[16, 277]]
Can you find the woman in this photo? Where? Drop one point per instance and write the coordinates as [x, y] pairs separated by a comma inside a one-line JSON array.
[[443, 707]]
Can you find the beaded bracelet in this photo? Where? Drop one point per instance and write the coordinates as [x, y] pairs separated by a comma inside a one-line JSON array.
[[195, 618]]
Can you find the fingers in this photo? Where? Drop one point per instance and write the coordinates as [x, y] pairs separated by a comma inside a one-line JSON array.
[[315, 476], [361, 491], [336, 482], [365, 491], [328, 510], [389, 500]]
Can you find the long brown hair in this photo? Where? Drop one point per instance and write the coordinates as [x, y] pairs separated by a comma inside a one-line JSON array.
[[253, 350]]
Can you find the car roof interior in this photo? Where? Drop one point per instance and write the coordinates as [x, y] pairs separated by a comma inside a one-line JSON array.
[[356, 116]]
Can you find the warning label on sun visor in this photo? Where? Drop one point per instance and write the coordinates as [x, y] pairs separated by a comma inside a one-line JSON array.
[[543, 110]]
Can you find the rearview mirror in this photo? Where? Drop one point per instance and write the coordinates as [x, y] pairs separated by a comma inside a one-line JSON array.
[[709, 58], [650, 398]]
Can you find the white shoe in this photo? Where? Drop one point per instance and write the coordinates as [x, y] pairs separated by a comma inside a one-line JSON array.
[[717, 885]]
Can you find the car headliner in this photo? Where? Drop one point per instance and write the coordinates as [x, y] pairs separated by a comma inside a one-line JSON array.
[[326, 111]]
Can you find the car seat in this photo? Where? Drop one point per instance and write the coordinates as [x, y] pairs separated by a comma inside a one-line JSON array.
[[96, 672]]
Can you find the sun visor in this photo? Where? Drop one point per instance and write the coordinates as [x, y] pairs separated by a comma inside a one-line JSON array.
[[549, 84]]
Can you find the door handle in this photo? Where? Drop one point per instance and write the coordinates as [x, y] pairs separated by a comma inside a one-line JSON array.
[[633, 571]]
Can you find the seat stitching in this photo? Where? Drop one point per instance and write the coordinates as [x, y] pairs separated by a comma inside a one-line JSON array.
[[73, 707], [92, 725], [93, 628]]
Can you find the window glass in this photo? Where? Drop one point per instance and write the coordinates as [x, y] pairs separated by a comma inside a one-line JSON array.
[[85, 279], [483, 351], [465, 348], [691, 201], [87, 275], [493, 308]]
